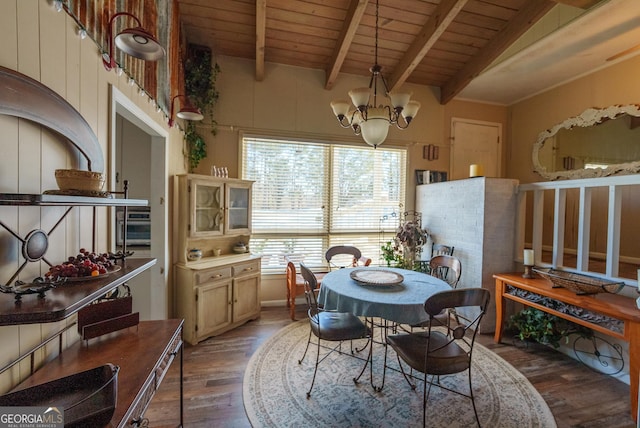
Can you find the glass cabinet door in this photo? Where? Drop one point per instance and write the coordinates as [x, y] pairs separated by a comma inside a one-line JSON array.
[[207, 213], [238, 208]]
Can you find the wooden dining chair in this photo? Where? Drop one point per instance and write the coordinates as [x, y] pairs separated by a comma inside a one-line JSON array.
[[335, 257], [446, 268], [295, 287], [441, 250], [441, 350], [328, 325]]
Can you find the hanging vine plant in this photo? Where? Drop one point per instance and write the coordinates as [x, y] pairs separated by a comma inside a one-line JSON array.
[[200, 84]]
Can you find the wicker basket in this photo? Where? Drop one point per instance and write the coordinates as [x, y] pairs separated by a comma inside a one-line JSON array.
[[579, 283]]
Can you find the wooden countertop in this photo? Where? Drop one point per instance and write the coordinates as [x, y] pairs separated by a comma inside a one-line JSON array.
[[138, 351]]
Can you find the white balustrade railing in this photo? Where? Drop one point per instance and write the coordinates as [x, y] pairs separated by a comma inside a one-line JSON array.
[[583, 189]]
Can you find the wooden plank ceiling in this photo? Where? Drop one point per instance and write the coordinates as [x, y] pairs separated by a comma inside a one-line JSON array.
[[443, 43]]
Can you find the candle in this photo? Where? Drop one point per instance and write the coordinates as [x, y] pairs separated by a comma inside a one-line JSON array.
[[639, 281], [475, 170], [528, 258]]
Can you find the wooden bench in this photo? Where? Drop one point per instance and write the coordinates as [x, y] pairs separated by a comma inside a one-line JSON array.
[[615, 306]]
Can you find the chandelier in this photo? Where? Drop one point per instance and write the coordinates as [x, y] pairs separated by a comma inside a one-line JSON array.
[[372, 121]]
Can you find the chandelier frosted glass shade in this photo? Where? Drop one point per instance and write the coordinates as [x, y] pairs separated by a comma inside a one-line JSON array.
[[372, 121], [375, 129]]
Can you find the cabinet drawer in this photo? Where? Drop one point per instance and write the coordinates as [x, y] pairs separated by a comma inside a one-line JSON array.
[[248, 268], [216, 274]]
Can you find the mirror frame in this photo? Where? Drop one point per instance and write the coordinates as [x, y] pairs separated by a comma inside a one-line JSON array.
[[589, 117]]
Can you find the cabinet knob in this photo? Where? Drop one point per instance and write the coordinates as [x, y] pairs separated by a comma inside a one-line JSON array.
[[248, 269], [219, 275]]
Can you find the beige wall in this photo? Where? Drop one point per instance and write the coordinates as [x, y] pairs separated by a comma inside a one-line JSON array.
[[617, 84], [293, 101], [44, 45]]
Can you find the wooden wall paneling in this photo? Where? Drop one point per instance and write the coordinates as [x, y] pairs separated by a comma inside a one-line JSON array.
[[9, 337], [28, 38], [9, 35], [73, 49]]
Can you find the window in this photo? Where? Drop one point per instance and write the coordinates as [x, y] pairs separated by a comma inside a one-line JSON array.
[[308, 196]]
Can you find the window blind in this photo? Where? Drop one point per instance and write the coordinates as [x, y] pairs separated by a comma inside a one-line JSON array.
[[308, 196]]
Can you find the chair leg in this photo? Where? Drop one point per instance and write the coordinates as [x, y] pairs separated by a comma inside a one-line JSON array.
[[315, 370], [473, 400], [305, 349], [292, 308], [406, 377]]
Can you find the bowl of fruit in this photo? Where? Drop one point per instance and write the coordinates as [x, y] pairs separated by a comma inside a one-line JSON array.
[[84, 266]]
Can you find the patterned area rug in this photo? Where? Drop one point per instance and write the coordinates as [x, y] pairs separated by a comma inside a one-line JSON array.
[[275, 385]]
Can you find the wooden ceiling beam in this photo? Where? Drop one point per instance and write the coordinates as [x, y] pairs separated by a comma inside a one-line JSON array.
[[531, 12], [261, 28], [582, 4], [348, 31], [434, 27]]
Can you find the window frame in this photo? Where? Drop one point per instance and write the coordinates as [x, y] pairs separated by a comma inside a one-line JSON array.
[[375, 235]]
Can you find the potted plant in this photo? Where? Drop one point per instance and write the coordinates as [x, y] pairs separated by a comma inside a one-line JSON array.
[[200, 83], [538, 326]]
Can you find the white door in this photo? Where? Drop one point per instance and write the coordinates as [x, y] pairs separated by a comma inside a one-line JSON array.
[[475, 142]]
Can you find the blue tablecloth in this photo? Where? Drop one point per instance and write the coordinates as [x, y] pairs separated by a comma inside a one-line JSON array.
[[402, 303]]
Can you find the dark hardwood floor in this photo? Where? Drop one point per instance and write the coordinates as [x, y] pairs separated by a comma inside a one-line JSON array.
[[213, 371]]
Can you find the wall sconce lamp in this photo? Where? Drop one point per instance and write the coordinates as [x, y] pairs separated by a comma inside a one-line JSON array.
[[187, 112], [134, 41], [430, 152]]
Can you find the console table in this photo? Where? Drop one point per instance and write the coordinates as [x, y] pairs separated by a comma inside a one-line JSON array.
[[611, 305], [144, 354]]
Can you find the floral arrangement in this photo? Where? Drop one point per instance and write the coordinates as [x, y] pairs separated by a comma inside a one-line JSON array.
[[406, 245], [411, 236]]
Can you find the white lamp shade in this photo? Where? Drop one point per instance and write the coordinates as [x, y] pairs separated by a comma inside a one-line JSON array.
[[190, 113], [399, 99], [139, 43], [360, 96], [340, 107], [411, 109], [376, 127]]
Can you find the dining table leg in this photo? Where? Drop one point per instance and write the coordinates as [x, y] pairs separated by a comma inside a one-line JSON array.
[[382, 326]]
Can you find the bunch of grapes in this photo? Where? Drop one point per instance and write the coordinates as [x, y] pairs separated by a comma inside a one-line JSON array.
[[84, 264]]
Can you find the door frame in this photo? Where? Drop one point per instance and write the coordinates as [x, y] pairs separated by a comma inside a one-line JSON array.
[[122, 105]]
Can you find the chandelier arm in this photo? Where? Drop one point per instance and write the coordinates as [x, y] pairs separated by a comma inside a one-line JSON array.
[[384, 82], [342, 123], [399, 124]]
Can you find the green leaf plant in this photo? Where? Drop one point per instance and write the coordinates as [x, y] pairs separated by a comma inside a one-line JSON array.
[[200, 85], [535, 325]]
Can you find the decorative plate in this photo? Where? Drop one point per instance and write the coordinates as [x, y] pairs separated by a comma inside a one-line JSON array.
[[114, 269], [204, 197], [204, 220], [373, 276]]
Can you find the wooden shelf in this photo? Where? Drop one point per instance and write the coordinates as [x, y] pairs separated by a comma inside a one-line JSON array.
[[67, 299]]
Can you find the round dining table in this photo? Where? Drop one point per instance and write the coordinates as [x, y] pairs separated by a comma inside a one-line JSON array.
[[401, 301]]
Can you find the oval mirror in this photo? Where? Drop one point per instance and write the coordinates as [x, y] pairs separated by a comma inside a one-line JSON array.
[[597, 143]]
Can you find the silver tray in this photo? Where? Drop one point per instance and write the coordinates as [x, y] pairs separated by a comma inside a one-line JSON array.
[[373, 276]]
